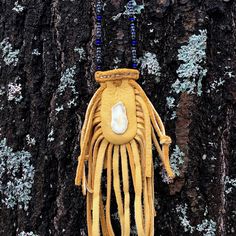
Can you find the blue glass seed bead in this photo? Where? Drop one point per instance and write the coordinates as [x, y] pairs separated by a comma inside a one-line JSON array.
[[132, 19], [98, 41], [134, 42], [99, 67], [134, 65], [99, 18]]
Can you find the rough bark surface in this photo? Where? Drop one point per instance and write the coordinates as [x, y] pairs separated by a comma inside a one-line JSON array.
[[205, 127]]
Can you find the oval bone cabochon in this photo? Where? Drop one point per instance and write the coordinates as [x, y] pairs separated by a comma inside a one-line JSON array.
[[119, 121], [118, 113]]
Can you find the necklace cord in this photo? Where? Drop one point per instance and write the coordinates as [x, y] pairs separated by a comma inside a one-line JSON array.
[[99, 41]]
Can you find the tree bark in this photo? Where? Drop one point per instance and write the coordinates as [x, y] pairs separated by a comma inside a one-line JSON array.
[[56, 79]]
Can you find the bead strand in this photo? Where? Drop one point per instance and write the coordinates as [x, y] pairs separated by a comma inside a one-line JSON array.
[[132, 19], [99, 7]]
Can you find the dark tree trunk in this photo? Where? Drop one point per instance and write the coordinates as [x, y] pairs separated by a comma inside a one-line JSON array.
[[46, 85]]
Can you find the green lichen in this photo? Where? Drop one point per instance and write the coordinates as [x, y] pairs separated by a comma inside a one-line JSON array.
[[116, 61], [137, 9], [71, 103], [150, 63], [207, 227], [185, 222], [67, 81], [81, 52], [18, 8], [216, 85], [193, 55], [14, 92], [180, 86], [36, 52], [229, 71], [50, 135], [170, 102], [176, 160], [10, 56], [192, 69], [59, 108], [23, 233], [173, 115], [30, 141], [230, 184], [16, 176]]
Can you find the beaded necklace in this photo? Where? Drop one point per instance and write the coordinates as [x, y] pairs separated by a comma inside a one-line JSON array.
[[119, 129], [99, 9]]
